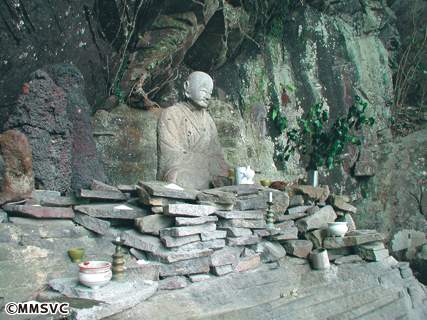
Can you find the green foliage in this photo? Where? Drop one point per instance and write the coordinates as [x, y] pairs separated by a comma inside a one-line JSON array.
[[323, 147]]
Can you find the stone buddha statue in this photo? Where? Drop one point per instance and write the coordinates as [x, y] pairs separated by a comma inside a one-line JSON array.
[[189, 152]]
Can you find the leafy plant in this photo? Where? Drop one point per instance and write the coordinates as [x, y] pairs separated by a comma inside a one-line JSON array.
[[319, 146]]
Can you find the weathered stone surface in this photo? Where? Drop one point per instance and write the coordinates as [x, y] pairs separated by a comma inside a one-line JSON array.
[[180, 221], [222, 270], [127, 188], [99, 194], [288, 233], [62, 201], [340, 203], [248, 263], [236, 232], [147, 271], [173, 283], [234, 214], [165, 255], [219, 206], [179, 241], [225, 256], [157, 209], [352, 240], [217, 196], [40, 212], [91, 223], [296, 200], [118, 296], [348, 259], [201, 245], [138, 254], [149, 200], [317, 220], [16, 174], [188, 230], [325, 194], [298, 248], [142, 242], [168, 190], [190, 210], [316, 237], [198, 277], [242, 241], [242, 189], [116, 210], [269, 251], [374, 251], [312, 209], [241, 223], [295, 210], [261, 232], [307, 192], [287, 217], [365, 168], [3, 216], [193, 266], [153, 223], [255, 203], [101, 186], [217, 234], [409, 240]]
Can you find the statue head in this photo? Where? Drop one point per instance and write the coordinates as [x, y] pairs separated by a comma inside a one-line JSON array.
[[198, 89]]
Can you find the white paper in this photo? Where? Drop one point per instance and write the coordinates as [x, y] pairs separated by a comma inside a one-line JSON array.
[[141, 261], [174, 186], [122, 207]]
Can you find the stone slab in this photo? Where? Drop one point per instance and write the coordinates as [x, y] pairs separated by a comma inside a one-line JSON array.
[[348, 259], [374, 251], [142, 242], [148, 270], [235, 214], [149, 200], [217, 196], [349, 240], [298, 209], [296, 200], [316, 237], [222, 270], [298, 248], [212, 235], [183, 221], [339, 202], [96, 225], [39, 195], [100, 186], [189, 210], [188, 230], [112, 210], [201, 245], [3, 216], [173, 283], [311, 210], [287, 217], [318, 220], [62, 201], [225, 256], [171, 242], [261, 232], [248, 263], [138, 254], [168, 190], [198, 277], [153, 223], [236, 232], [128, 188], [307, 192], [269, 251], [365, 168], [157, 209], [104, 195], [254, 203], [186, 267], [242, 241], [168, 256], [119, 296], [242, 189], [40, 212], [242, 223]]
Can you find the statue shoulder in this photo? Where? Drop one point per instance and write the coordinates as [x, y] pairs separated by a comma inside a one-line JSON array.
[[173, 112]]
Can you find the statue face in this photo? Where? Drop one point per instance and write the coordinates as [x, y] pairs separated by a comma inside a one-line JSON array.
[[198, 89]]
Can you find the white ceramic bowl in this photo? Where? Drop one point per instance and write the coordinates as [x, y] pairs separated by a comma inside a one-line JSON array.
[[337, 228], [94, 274]]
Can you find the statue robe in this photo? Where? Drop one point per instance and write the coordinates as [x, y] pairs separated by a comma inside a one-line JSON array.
[[189, 152]]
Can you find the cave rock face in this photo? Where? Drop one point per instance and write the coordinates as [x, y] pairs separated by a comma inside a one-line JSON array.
[[55, 116], [17, 177]]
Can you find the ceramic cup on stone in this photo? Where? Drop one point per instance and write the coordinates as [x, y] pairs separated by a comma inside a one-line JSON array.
[[337, 228], [76, 254], [265, 183], [94, 274]]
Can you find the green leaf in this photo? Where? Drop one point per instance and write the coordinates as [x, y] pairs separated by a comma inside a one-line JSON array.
[[274, 113]]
